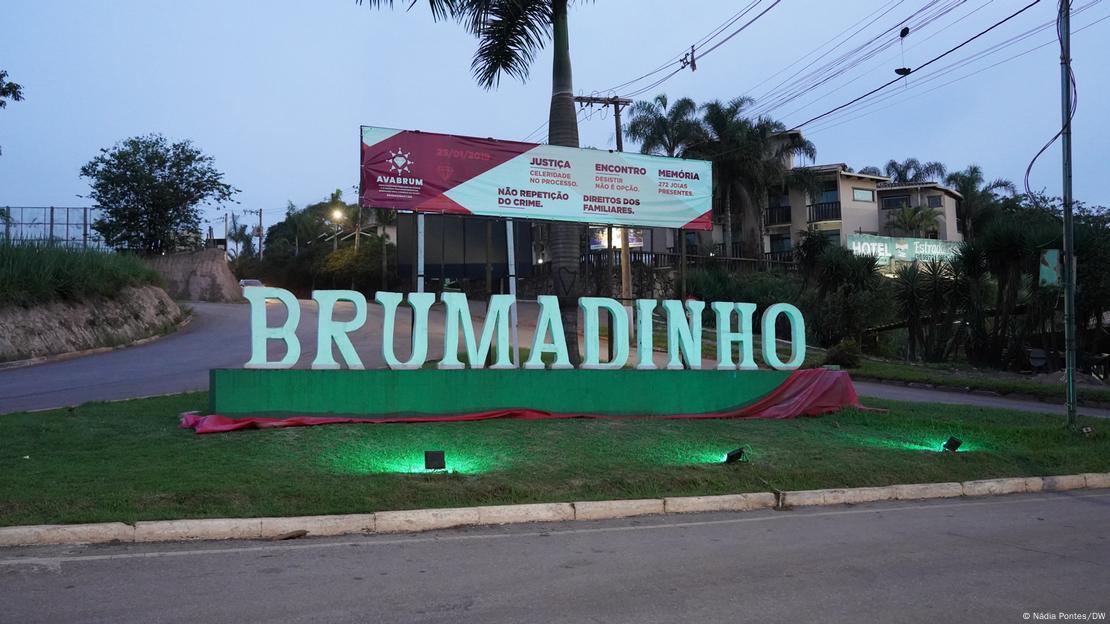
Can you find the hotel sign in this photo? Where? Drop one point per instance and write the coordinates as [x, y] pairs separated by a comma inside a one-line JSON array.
[[887, 248]]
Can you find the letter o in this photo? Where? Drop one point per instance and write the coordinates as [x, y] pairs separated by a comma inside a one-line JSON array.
[[797, 336]]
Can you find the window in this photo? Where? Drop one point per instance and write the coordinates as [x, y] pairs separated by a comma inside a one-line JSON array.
[[896, 202], [828, 192], [780, 242], [936, 201], [863, 195], [833, 236]]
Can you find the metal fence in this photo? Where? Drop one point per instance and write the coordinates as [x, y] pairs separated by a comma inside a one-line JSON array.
[[55, 225]]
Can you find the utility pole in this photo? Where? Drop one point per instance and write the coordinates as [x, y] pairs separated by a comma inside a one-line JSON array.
[[626, 264], [1069, 234], [259, 213], [617, 103], [358, 226]]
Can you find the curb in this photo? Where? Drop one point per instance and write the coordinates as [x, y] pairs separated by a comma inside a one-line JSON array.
[[72, 355], [416, 520]]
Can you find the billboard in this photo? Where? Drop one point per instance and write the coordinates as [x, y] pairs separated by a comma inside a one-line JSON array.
[[427, 172], [887, 248]]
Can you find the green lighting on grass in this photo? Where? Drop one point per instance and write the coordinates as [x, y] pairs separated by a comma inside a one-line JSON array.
[[930, 443], [349, 460], [695, 454]]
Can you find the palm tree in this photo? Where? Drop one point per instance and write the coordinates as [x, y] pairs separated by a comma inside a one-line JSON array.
[[915, 220], [751, 157], [663, 129], [871, 170], [980, 198], [240, 234], [912, 171], [510, 34]]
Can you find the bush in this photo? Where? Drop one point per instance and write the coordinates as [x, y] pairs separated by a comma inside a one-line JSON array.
[[845, 354], [32, 274], [762, 289]]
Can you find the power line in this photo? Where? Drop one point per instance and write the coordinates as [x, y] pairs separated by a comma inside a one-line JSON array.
[[931, 77], [818, 48], [920, 67], [853, 58], [690, 58], [888, 60]]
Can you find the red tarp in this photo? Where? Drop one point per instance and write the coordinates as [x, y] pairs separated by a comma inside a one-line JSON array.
[[809, 392]]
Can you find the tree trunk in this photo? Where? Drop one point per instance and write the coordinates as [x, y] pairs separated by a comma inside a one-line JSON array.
[[751, 244], [728, 222], [564, 238]]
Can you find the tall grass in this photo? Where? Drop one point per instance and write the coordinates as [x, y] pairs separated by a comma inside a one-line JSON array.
[[32, 274]]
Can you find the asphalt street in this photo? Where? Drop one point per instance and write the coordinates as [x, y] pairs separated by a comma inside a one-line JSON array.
[[219, 337], [957, 560]]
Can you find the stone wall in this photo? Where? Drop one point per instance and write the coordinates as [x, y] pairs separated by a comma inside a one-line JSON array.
[[63, 327], [198, 276]]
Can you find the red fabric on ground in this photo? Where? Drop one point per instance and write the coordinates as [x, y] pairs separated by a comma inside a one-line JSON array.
[[809, 392]]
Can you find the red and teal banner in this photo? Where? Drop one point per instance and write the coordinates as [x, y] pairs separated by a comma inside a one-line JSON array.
[[427, 172]]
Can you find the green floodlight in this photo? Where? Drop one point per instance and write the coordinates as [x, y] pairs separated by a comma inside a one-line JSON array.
[[734, 456], [952, 444], [435, 460]]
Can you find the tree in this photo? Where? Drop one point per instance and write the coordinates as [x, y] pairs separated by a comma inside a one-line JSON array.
[[912, 171], [980, 199], [9, 91], [151, 192], [914, 220], [750, 158], [510, 34], [871, 170], [663, 129], [240, 234]]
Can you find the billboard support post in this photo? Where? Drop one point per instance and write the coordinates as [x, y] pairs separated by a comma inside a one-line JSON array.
[[420, 252], [510, 257]]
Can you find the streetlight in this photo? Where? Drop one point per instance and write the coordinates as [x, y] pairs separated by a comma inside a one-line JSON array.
[[336, 216]]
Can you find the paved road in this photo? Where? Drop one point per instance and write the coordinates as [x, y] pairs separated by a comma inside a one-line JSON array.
[[219, 337], [967, 560]]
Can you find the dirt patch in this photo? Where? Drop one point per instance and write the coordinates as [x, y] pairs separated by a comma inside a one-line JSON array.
[[63, 327], [198, 276]]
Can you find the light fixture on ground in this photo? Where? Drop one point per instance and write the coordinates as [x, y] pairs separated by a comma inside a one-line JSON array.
[[734, 456], [1087, 431], [953, 444], [434, 460]]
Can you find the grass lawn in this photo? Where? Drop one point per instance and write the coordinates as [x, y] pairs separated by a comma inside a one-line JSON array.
[[1002, 383], [129, 461]]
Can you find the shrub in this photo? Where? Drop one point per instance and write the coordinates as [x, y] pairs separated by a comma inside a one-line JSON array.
[[845, 354], [32, 274]]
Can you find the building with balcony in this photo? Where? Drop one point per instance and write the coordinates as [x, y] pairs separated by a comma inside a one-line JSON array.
[[894, 197], [846, 202]]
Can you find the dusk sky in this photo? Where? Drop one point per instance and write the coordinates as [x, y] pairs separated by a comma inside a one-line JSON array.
[[276, 91]]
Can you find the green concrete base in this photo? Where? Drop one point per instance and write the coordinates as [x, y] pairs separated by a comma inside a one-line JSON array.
[[240, 391]]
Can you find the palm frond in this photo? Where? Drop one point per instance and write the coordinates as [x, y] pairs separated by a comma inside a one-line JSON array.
[[441, 9], [510, 33]]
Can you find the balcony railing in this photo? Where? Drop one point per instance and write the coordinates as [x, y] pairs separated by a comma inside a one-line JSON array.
[[778, 215], [824, 211], [786, 255]]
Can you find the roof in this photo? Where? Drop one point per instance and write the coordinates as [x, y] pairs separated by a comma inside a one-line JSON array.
[[888, 186], [842, 168]]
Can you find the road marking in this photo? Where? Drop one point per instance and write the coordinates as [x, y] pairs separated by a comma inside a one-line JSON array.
[[368, 541]]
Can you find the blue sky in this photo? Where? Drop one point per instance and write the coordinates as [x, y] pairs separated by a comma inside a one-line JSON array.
[[277, 95]]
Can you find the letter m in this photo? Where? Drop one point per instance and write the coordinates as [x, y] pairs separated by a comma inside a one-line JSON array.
[[457, 316]]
